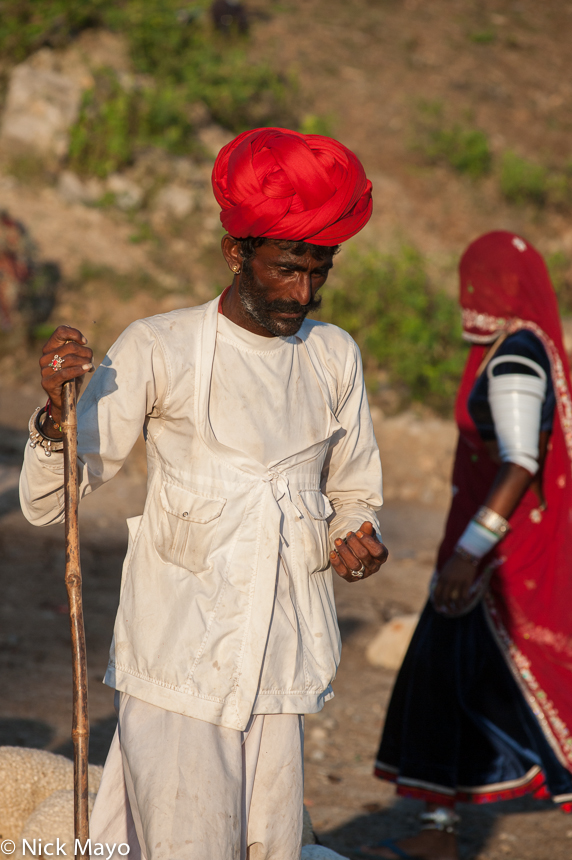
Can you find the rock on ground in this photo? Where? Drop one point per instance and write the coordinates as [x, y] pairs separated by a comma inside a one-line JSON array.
[[73, 190], [388, 648], [175, 200], [41, 106]]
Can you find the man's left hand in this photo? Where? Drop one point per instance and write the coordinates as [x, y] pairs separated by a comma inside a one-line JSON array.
[[360, 552]]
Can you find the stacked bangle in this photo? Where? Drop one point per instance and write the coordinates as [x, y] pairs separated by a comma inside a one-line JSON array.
[[492, 521], [483, 533], [37, 435]]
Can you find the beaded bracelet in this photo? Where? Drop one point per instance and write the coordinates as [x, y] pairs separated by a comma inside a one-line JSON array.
[[58, 427]]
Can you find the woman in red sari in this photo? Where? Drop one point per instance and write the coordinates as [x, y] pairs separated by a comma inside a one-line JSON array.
[[482, 707]]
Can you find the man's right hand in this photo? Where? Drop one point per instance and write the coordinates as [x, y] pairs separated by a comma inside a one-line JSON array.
[[69, 344]]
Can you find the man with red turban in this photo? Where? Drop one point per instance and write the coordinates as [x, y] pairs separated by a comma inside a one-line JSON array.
[[264, 478]]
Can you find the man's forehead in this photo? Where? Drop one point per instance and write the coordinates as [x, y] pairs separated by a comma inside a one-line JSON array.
[[284, 252]]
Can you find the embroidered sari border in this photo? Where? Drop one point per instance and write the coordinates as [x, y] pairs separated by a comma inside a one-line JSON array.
[[533, 782], [553, 727]]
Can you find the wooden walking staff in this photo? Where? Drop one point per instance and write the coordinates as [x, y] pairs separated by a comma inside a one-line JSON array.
[[80, 724]]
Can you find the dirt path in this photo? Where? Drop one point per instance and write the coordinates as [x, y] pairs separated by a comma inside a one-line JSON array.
[[348, 806]]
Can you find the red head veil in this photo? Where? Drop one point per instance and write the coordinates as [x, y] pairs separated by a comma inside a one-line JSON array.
[[284, 185], [505, 287], [503, 279]]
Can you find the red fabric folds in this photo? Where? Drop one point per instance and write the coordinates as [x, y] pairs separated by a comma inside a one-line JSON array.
[[504, 278], [285, 185], [505, 287]]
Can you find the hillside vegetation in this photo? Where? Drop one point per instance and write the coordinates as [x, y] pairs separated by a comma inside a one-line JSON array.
[[460, 110]]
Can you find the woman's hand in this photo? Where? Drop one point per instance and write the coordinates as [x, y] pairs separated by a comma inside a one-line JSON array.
[[452, 593], [360, 552], [65, 349]]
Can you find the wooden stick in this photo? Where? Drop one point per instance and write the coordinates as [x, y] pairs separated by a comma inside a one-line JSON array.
[[80, 724]]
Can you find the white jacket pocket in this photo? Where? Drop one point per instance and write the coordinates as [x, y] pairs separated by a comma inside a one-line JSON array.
[[317, 509], [187, 527]]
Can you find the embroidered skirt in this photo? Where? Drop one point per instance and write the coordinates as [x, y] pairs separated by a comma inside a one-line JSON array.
[[458, 727]]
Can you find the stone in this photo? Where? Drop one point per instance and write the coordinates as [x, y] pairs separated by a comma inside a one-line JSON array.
[[74, 190], [175, 200], [44, 93], [387, 649], [41, 106], [128, 195]]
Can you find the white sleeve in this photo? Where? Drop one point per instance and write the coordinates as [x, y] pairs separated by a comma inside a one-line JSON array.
[[353, 481], [129, 384], [516, 406]]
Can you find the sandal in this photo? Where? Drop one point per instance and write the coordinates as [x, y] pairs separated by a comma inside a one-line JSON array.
[[443, 818]]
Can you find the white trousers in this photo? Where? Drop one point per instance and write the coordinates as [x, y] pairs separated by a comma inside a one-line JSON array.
[[178, 788]]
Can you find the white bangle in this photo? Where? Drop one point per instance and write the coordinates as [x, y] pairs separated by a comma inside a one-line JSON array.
[[477, 540]]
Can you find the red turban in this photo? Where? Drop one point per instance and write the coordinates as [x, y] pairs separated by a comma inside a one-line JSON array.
[[284, 185]]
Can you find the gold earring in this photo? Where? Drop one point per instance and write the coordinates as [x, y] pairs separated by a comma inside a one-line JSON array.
[[236, 270]]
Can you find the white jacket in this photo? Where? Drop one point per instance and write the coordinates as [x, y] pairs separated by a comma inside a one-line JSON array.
[[199, 577]]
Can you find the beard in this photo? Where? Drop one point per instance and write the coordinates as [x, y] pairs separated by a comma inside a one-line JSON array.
[[253, 299]]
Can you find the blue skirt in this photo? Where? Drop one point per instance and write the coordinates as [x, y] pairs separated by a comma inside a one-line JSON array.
[[458, 727]]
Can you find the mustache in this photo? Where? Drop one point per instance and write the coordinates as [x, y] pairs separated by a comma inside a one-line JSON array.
[[284, 306]]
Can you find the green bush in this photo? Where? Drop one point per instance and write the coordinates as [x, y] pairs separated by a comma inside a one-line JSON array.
[[522, 181], [102, 140], [559, 267], [467, 150], [483, 37], [313, 123], [27, 25], [181, 59], [402, 325]]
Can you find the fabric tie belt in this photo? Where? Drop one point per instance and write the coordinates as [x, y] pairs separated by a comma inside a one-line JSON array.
[[280, 487]]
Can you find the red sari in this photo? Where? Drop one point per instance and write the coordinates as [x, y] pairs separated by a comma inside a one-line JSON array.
[[505, 287]]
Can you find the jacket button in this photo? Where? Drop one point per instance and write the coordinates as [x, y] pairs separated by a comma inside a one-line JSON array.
[[185, 513]]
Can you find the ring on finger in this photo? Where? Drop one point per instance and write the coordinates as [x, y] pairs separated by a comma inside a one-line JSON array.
[[56, 363], [359, 572]]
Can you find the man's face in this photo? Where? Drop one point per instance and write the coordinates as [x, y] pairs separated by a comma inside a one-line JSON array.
[[278, 289]]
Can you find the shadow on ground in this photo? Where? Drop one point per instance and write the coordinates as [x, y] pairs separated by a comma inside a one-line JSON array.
[[35, 734], [100, 737], [19, 732], [479, 824]]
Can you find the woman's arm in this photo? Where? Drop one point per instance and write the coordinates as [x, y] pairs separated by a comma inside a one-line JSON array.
[[510, 485]]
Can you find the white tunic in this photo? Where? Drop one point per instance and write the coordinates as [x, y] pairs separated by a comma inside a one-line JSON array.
[[288, 401], [247, 475]]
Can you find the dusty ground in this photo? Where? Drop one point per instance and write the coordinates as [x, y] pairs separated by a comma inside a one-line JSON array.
[[365, 65], [369, 65], [348, 806]]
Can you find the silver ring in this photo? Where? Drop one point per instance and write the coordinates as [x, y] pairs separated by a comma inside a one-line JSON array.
[[359, 572], [56, 363]]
